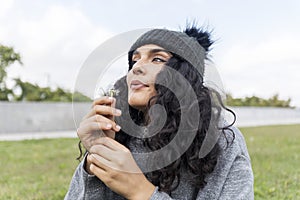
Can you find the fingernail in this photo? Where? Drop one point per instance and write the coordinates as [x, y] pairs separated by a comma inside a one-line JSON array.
[[111, 98], [118, 112], [118, 127], [108, 125]]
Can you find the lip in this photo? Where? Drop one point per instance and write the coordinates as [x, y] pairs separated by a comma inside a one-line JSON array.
[[137, 84]]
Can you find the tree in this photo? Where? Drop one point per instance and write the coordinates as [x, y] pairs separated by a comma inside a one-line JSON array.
[[79, 97], [29, 91], [274, 101], [7, 57], [33, 92]]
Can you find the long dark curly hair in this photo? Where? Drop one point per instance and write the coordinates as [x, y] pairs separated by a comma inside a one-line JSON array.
[[210, 107]]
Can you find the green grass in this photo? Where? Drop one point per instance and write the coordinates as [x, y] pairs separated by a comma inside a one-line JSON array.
[[37, 169], [274, 152], [42, 169]]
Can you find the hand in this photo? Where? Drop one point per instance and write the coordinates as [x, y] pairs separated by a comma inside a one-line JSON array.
[[99, 122], [113, 163]]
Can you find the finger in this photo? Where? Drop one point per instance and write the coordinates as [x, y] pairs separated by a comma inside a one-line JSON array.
[[103, 100], [101, 119], [112, 144], [100, 101], [107, 110], [103, 110], [97, 118], [103, 151], [93, 126], [100, 162], [108, 101], [98, 171]]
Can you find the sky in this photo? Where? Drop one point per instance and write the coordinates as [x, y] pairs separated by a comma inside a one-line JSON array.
[[256, 50]]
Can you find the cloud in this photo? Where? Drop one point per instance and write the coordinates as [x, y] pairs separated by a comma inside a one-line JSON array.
[[275, 50], [55, 44], [55, 39], [264, 68], [5, 7]]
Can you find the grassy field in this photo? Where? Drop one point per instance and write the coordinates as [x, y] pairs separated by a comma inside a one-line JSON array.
[[42, 169], [37, 169], [275, 155]]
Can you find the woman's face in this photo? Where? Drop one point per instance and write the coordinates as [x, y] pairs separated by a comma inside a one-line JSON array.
[[148, 60]]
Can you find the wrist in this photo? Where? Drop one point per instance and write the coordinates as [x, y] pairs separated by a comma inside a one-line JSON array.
[[145, 192]]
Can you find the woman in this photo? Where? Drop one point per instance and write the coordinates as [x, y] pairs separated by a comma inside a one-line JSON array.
[[208, 161]]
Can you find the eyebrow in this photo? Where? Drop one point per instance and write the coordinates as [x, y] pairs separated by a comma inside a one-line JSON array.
[[153, 51]]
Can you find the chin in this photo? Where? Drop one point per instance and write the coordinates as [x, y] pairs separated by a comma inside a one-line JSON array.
[[140, 99], [137, 103]]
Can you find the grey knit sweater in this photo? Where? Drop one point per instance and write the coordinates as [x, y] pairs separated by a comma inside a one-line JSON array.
[[231, 179]]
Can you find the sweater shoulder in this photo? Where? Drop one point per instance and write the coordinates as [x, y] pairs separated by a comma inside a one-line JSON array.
[[233, 166], [234, 142]]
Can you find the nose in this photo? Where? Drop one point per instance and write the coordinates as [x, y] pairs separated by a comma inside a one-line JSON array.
[[137, 71], [138, 67]]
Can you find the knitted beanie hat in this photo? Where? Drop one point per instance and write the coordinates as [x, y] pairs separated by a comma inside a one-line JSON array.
[[176, 42]]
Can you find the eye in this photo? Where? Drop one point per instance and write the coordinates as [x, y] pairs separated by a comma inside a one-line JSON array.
[[160, 60], [134, 59]]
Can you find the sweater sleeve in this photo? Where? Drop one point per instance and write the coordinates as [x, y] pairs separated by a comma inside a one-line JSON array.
[[86, 186], [232, 177], [77, 186], [239, 181], [159, 195], [80, 183]]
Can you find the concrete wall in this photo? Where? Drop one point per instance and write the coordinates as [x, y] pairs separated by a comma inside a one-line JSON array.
[[33, 116], [258, 116]]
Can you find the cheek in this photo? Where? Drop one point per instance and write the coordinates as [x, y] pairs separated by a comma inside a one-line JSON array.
[[154, 71], [128, 77]]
